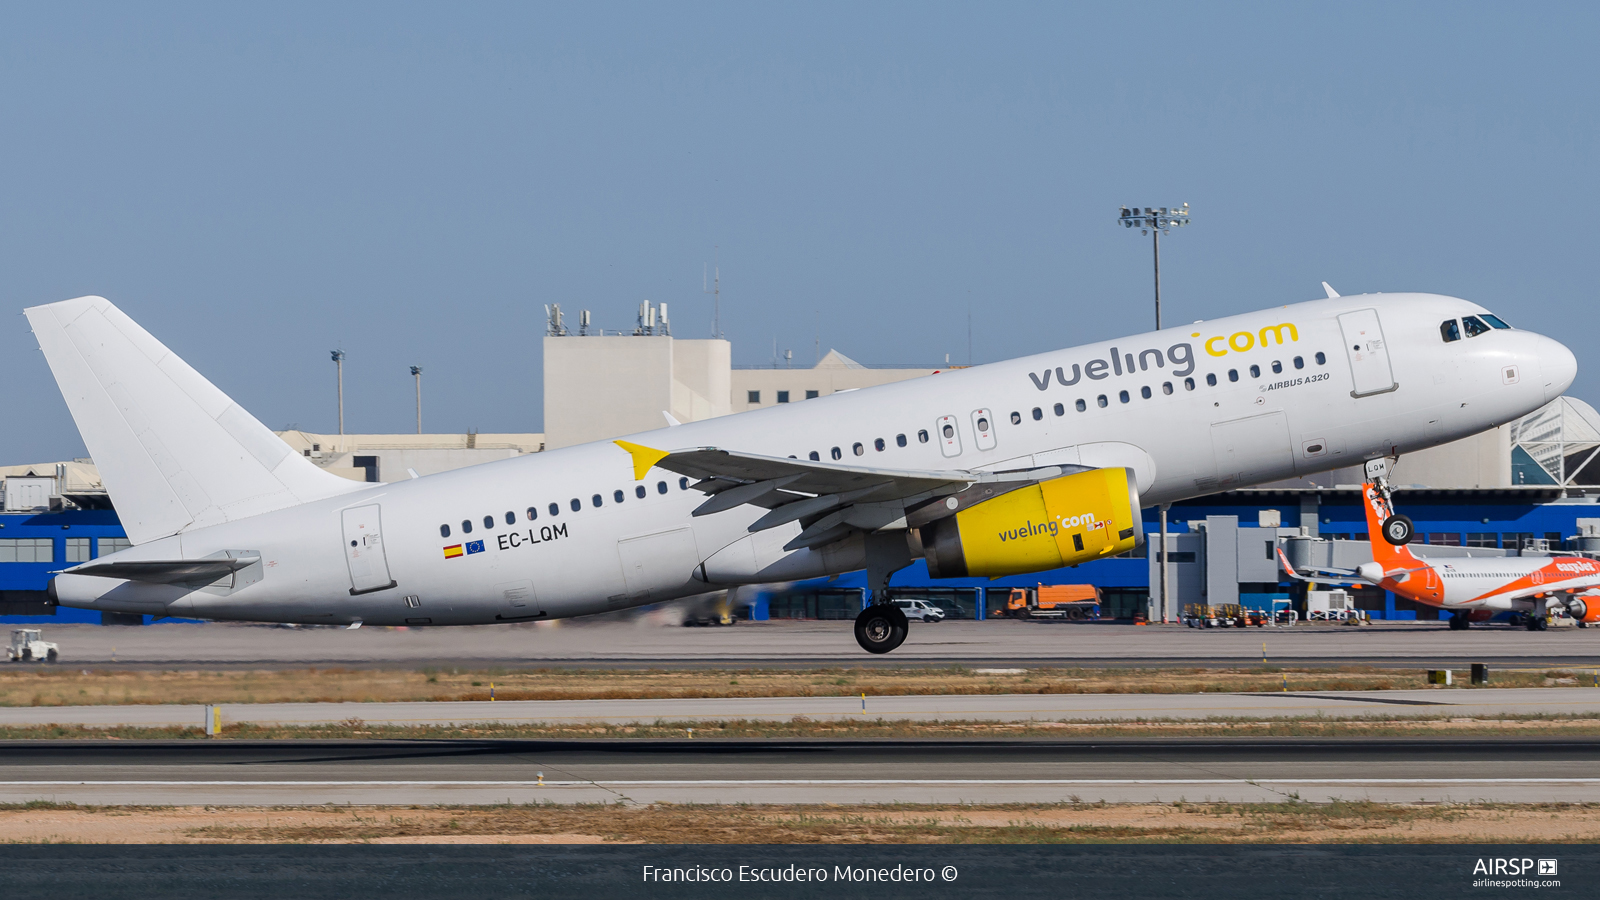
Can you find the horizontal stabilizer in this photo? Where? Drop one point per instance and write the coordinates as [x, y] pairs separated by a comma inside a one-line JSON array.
[[166, 571], [174, 452]]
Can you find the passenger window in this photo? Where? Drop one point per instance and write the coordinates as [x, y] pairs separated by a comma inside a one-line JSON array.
[[661, 487], [1277, 367], [533, 513], [1449, 331], [949, 432], [836, 453], [639, 491], [444, 531], [511, 518], [1037, 413], [488, 522], [595, 500], [575, 504], [1299, 362], [857, 449], [1081, 405], [878, 445], [466, 526], [1101, 400], [683, 484], [1145, 392], [1123, 396], [1322, 358], [899, 440], [1016, 419], [1474, 326], [616, 496], [1255, 371], [1211, 379], [983, 422], [814, 456], [1060, 410], [1188, 384], [922, 436], [555, 510], [1166, 387], [1233, 374], [1495, 321]]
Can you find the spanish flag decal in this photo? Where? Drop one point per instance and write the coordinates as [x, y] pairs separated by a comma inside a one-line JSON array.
[[452, 551]]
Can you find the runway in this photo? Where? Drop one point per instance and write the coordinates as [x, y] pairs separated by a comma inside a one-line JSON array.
[[300, 773], [646, 643], [1454, 702]]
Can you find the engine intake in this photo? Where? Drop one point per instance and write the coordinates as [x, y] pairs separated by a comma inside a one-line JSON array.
[[1061, 522]]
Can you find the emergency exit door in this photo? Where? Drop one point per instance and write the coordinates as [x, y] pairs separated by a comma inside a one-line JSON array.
[[363, 550], [1368, 353]]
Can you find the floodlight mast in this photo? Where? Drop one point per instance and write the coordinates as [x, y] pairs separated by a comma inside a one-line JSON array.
[[1155, 221]]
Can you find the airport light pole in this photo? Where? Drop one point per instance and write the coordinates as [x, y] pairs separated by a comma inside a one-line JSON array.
[[1155, 221], [338, 363], [416, 372]]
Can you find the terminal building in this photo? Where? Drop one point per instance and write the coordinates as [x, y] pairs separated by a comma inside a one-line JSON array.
[[1528, 487]]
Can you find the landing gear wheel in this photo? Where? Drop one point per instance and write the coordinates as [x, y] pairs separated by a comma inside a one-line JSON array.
[[1537, 623], [881, 627], [1460, 622], [51, 656], [1397, 529]]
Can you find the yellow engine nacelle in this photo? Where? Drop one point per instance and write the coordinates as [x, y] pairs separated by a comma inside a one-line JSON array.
[[1060, 522]]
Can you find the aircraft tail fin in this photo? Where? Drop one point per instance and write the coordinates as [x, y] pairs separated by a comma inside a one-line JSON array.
[[1378, 508], [173, 451]]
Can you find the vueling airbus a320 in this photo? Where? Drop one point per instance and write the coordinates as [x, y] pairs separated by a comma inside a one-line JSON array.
[[1014, 467]]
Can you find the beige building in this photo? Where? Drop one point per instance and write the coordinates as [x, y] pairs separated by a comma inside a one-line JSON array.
[[392, 457], [754, 388]]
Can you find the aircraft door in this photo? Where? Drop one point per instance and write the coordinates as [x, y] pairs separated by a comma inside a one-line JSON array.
[[1252, 449], [363, 550], [949, 436], [983, 429], [1368, 353]]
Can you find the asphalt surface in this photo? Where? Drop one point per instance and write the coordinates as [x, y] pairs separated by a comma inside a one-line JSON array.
[[1453, 702], [633, 772], [650, 642]]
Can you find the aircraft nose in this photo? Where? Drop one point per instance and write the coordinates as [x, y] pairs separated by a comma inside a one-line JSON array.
[[1558, 366]]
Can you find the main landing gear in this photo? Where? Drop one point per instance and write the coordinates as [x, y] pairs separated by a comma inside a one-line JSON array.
[[881, 627], [1536, 622], [1460, 621]]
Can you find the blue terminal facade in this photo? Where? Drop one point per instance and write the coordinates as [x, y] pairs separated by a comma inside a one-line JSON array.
[[1500, 518], [34, 545]]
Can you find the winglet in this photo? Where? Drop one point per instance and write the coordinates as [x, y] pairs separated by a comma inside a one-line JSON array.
[[1332, 294], [643, 457]]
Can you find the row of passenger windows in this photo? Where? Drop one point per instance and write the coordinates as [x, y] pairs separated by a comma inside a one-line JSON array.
[[1475, 325], [783, 396], [1299, 362], [576, 505]]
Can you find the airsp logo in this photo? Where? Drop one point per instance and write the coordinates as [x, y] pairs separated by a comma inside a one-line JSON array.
[[1512, 866]]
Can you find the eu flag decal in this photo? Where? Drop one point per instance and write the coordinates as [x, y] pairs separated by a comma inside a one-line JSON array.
[[474, 547]]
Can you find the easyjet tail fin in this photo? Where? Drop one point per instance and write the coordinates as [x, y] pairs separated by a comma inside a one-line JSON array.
[[174, 452], [1378, 509]]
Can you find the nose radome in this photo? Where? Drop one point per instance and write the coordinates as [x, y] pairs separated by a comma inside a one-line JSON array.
[[1558, 366]]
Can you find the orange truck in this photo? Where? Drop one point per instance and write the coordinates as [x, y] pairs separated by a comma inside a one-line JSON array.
[[1056, 602]]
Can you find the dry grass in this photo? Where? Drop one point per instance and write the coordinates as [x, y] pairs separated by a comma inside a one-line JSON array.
[[1342, 822], [802, 728], [62, 686]]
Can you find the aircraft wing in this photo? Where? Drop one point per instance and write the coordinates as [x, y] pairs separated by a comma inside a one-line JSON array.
[[165, 571], [829, 499]]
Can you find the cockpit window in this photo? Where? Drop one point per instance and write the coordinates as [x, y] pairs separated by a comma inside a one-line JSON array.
[[1474, 326], [1495, 321], [1449, 330]]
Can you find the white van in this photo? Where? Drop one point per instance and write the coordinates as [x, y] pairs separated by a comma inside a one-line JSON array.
[[920, 610]]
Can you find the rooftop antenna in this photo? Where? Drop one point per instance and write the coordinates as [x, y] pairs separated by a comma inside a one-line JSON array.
[[583, 322], [666, 327], [715, 290], [553, 325]]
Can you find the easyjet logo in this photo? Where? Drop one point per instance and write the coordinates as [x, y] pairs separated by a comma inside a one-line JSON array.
[[1575, 567], [1240, 341]]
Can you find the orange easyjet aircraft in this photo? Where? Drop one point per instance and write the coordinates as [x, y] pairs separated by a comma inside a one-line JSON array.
[[1472, 588]]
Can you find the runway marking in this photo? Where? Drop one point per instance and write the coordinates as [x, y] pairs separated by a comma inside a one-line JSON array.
[[808, 781]]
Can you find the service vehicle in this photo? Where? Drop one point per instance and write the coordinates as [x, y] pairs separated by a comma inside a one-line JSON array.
[[29, 645], [919, 610], [1054, 602]]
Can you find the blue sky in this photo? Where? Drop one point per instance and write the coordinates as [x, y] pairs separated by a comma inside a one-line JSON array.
[[260, 184]]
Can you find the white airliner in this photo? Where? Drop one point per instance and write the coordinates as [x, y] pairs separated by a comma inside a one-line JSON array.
[[1471, 588], [1013, 467]]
